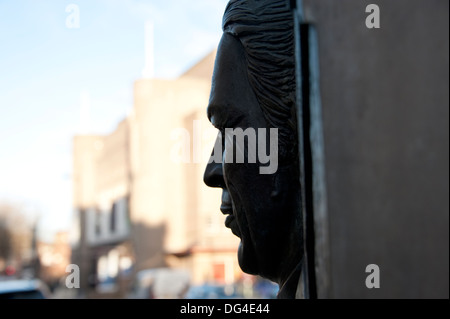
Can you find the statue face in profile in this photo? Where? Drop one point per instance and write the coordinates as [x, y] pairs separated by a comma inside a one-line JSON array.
[[253, 89]]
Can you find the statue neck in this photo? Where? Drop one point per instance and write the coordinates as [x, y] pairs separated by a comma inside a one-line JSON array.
[[288, 284], [292, 264]]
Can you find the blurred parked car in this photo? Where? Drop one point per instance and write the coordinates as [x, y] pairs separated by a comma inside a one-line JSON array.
[[160, 283], [210, 291], [23, 289], [266, 289]]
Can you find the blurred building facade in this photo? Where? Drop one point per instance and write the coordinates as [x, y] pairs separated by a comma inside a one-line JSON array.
[[53, 258], [139, 198], [18, 242]]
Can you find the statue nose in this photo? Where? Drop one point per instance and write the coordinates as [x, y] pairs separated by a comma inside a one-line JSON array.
[[213, 176]]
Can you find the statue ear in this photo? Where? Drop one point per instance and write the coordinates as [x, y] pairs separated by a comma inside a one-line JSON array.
[[230, 30]]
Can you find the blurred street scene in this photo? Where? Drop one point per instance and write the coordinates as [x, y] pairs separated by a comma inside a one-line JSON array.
[[142, 222]]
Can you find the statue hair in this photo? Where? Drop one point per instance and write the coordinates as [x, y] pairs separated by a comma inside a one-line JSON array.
[[265, 28]]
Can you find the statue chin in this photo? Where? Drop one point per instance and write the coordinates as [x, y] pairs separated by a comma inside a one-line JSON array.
[[247, 261]]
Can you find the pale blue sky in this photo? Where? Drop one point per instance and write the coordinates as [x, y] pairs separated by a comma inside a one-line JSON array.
[[44, 67]]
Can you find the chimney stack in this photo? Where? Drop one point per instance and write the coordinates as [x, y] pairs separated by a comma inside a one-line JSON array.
[[149, 68]]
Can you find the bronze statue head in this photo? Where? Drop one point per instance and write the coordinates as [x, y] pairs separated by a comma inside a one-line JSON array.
[[253, 88]]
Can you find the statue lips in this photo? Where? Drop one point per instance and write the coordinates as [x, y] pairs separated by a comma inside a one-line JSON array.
[[230, 222], [227, 209]]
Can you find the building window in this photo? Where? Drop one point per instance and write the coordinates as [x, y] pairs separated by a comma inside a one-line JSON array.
[[98, 223], [113, 218], [219, 272]]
